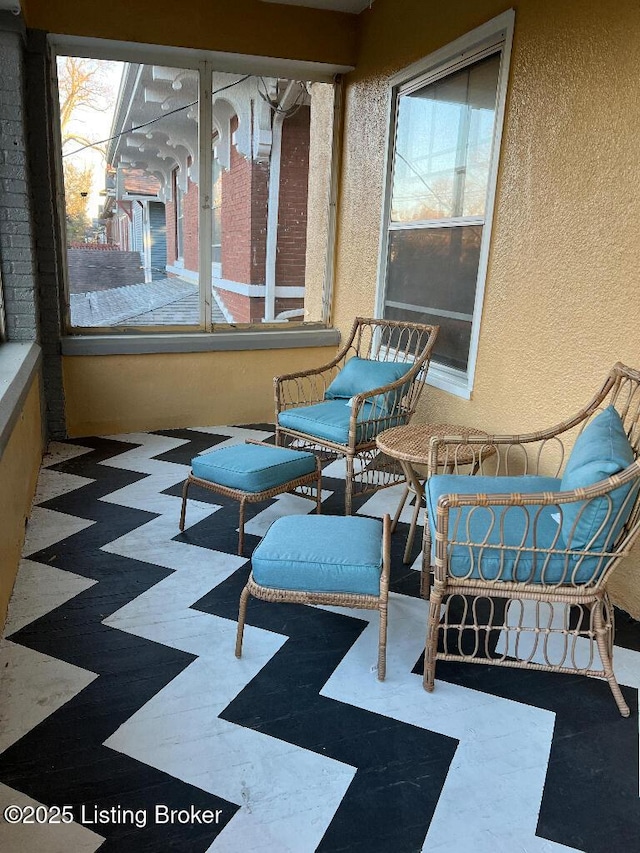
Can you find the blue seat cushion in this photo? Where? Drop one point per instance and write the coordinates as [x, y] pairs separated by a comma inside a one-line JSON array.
[[602, 449], [253, 467], [330, 420], [513, 527], [360, 375], [320, 553]]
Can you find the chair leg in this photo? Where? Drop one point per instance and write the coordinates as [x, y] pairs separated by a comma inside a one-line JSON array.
[[241, 527], [382, 642], [403, 501], [319, 492], [607, 661], [431, 645], [425, 574], [348, 492], [412, 529], [242, 612], [183, 513], [384, 598]]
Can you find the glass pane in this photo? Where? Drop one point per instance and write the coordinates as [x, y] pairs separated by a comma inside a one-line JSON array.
[[452, 344], [432, 278], [271, 179], [443, 145], [130, 158], [435, 267]]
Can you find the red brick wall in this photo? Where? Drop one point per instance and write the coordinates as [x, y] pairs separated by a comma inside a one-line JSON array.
[[292, 211], [170, 218], [236, 217], [237, 305], [170, 214], [259, 207], [191, 203]]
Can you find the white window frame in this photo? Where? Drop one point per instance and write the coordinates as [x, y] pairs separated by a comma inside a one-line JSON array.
[[493, 37]]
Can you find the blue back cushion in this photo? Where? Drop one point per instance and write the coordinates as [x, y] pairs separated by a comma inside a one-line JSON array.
[[362, 374], [601, 450]]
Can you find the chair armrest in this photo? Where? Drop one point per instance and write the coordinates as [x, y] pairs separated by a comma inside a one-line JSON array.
[[304, 387], [392, 412]]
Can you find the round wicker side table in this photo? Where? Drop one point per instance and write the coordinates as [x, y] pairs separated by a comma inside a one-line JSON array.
[[410, 446]]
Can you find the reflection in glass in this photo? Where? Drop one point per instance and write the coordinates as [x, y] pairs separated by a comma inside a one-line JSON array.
[[443, 145], [434, 267]]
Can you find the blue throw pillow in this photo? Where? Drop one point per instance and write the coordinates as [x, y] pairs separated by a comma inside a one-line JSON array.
[[362, 374], [601, 450]]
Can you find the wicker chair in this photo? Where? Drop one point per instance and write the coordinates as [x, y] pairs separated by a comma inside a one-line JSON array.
[[308, 417], [521, 561]]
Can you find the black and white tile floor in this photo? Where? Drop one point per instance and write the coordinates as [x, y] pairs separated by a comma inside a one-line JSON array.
[[121, 696]]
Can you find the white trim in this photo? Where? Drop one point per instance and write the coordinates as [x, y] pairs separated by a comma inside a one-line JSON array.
[[182, 57], [493, 36], [437, 312], [282, 291], [181, 272], [449, 222], [448, 379], [253, 290]]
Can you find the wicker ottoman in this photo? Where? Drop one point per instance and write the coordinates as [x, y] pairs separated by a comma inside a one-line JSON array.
[[323, 560], [252, 472]]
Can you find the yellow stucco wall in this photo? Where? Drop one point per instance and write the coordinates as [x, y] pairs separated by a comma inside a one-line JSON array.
[[19, 466], [237, 26], [126, 393], [561, 301]]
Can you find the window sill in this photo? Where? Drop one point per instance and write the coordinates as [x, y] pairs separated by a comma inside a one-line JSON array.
[[18, 365], [448, 380], [250, 339]]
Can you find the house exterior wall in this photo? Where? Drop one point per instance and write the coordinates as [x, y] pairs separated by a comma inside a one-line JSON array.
[[561, 298], [124, 393], [190, 226], [236, 216], [292, 210], [170, 216]]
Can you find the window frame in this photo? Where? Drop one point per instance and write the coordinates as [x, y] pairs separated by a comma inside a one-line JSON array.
[[495, 36], [76, 340]]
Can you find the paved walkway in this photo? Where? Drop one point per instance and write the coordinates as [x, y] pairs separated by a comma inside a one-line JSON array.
[[164, 302]]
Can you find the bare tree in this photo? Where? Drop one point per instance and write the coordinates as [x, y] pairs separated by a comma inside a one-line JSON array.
[[81, 86]]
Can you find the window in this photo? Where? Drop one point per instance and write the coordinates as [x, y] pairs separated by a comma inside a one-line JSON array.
[[189, 193], [445, 135]]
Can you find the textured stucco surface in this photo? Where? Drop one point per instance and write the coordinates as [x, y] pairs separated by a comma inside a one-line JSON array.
[[19, 466], [561, 299], [125, 393]]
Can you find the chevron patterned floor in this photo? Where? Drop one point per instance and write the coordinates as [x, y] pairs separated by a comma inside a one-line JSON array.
[[121, 697]]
